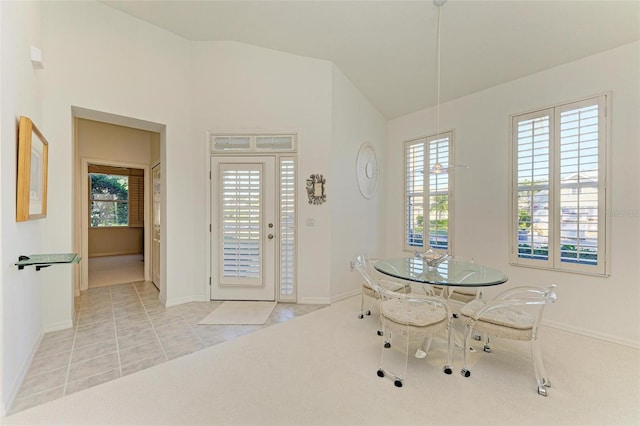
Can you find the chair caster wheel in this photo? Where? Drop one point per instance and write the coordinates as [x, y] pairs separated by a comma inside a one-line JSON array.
[[487, 349], [380, 373], [368, 312], [398, 383], [360, 316], [387, 345], [542, 390], [465, 372], [447, 370]]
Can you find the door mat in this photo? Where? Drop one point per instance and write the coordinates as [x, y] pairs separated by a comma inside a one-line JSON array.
[[240, 312]]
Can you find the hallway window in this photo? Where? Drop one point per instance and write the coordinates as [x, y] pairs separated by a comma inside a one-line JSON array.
[[109, 200]]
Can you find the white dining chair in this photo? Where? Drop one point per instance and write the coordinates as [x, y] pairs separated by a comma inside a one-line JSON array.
[[370, 297], [412, 320], [514, 314]]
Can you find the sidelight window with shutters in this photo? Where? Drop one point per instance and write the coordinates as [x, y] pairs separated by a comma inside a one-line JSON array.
[[559, 187]]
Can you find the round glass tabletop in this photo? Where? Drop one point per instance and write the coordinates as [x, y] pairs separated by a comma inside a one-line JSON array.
[[449, 273]]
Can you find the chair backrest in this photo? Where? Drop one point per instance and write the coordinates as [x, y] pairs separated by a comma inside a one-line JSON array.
[[365, 267], [375, 280], [522, 297], [462, 258]]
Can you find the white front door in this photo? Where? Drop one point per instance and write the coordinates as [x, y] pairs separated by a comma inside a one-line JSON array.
[[243, 233]]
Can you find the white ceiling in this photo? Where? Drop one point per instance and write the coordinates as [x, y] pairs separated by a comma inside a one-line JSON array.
[[388, 48]]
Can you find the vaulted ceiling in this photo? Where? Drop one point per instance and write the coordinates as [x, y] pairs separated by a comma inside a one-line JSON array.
[[388, 48]]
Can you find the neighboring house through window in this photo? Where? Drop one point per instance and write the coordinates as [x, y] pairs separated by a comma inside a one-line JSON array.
[[559, 187]]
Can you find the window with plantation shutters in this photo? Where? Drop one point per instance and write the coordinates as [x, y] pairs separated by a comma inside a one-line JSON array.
[[116, 196], [559, 187], [428, 196]]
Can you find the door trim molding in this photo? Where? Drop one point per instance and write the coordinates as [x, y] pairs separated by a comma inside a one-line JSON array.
[[84, 215]]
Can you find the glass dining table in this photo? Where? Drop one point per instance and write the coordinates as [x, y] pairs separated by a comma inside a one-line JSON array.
[[450, 273]]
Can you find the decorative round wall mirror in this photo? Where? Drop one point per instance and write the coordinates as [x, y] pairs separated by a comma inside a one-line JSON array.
[[367, 170]]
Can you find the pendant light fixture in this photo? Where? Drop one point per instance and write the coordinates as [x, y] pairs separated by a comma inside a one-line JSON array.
[[438, 168]]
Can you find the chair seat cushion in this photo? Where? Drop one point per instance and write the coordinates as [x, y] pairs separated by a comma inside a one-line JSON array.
[[389, 285], [417, 314], [506, 317], [462, 297]]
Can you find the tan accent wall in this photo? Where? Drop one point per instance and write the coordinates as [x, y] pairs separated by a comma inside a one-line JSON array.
[[112, 143], [115, 241]]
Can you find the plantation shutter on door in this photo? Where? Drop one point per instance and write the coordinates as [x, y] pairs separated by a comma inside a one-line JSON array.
[[241, 219]]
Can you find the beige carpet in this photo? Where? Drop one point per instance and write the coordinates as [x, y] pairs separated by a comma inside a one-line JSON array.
[[320, 369], [240, 312], [109, 270]]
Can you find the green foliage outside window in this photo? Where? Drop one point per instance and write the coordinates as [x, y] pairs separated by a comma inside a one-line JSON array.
[[524, 220], [109, 200]]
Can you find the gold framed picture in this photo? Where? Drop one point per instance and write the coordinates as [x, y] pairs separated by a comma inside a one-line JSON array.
[[31, 194]]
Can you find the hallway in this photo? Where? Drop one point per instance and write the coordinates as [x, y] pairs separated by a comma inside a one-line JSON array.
[[110, 270]]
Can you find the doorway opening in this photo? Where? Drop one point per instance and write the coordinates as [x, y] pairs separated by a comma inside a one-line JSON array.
[[116, 225], [113, 214]]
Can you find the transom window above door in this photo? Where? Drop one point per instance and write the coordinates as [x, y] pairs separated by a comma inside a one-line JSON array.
[[277, 142]]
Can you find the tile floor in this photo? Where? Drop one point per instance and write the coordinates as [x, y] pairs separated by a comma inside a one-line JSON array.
[[122, 329]]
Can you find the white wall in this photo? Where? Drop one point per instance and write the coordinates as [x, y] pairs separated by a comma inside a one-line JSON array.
[[20, 291], [357, 224], [241, 87], [99, 59], [604, 307]]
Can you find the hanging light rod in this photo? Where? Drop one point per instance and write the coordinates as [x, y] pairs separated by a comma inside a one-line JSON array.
[[438, 168]]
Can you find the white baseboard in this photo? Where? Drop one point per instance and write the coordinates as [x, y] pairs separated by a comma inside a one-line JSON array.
[[179, 301], [12, 392], [62, 325], [115, 253], [346, 295], [589, 333], [314, 301]]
